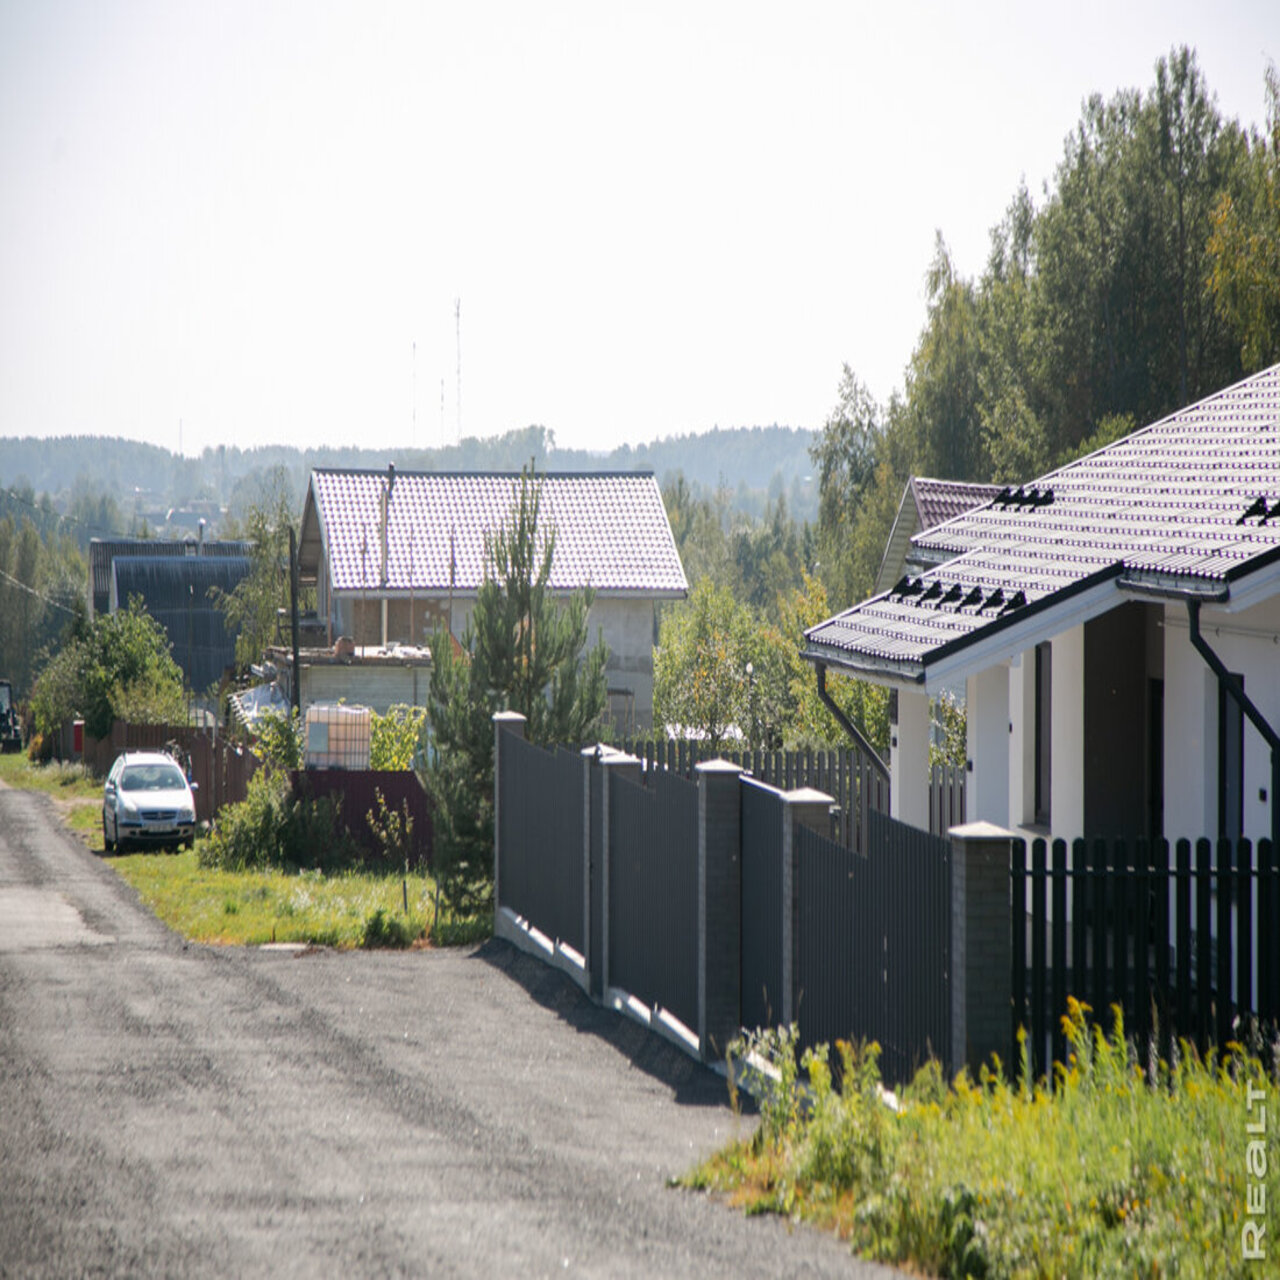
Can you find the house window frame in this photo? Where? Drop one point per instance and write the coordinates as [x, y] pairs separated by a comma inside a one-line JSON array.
[[1042, 725], [1230, 763]]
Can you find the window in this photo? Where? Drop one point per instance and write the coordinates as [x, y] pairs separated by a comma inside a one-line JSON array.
[[1043, 736], [1230, 764]]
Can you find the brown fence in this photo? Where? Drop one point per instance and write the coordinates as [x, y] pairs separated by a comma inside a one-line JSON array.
[[359, 789], [219, 767]]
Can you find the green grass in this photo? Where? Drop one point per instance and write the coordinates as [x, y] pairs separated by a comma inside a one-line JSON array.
[[1105, 1173], [248, 908], [77, 794]]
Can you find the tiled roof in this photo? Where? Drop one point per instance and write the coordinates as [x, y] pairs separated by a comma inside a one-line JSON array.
[[941, 500], [1192, 501], [611, 529]]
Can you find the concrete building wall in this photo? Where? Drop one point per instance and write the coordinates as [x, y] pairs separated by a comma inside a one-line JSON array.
[[625, 623]]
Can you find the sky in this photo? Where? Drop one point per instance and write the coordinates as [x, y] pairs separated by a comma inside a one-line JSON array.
[[393, 223]]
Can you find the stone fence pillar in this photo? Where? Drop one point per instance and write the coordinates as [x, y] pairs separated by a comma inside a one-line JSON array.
[[981, 948]]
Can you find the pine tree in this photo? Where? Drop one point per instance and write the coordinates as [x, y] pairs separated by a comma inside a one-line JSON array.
[[522, 650]]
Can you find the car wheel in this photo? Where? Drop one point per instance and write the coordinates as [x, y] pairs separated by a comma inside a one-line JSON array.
[[108, 845]]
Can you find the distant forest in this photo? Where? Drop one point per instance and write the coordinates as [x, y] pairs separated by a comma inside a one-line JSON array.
[[109, 485]]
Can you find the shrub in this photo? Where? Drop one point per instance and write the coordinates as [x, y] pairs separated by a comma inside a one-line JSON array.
[[273, 827]]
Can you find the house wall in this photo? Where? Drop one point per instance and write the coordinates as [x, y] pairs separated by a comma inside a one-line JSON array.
[[379, 687], [1066, 741], [987, 746], [626, 623], [1247, 643]]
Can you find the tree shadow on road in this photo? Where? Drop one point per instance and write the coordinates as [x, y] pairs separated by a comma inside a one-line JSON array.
[[691, 1083]]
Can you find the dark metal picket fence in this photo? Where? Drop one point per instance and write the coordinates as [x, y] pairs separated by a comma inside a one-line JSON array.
[[1182, 939], [846, 774]]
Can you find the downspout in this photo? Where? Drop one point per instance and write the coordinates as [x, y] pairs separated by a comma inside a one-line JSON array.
[[296, 683], [847, 725], [1229, 684]]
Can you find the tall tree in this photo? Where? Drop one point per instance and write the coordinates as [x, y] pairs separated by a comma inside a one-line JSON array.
[[523, 650], [1244, 247]]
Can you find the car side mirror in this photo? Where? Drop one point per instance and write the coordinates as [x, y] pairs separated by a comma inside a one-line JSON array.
[[195, 786]]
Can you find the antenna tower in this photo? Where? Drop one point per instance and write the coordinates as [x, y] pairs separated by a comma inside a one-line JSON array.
[[457, 324]]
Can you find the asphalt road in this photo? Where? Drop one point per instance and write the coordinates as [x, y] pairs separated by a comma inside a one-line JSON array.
[[178, 1110]]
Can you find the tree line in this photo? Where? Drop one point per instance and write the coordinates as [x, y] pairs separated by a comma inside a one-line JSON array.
[[1147, 276]]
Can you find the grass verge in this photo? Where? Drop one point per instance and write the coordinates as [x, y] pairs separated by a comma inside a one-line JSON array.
[[251, 907], [1109, 1171]]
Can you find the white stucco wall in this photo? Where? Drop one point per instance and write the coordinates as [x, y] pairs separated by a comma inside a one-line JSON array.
[[1247, 643], [1067, 744], [909, 759], [987, 746]]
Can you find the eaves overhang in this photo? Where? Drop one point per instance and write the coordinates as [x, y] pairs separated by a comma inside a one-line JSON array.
[[997, 641]]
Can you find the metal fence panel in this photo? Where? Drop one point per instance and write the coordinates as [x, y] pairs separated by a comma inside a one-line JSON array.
[[874, 945], [540, 841], [763, 812], [653, 892]]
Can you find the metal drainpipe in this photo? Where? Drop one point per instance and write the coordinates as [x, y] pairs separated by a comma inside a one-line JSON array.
[[846, 724], [1233, 687]]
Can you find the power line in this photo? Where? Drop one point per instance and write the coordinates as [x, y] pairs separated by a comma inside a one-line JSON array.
[[38, 595]]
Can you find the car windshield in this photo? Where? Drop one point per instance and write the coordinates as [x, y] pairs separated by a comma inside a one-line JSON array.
[[152, 777]]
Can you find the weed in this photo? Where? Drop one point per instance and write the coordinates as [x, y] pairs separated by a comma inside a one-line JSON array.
[[1103, 1170]]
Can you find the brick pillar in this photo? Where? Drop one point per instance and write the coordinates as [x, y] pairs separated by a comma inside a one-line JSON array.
[[719, 907], [981, 946], [503, 722], [805, 807], [619, 764]]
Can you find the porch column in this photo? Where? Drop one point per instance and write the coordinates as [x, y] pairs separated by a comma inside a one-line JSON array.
[[987, 746], [909, 759]]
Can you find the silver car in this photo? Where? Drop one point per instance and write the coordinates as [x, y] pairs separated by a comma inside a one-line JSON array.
[[147, 800]]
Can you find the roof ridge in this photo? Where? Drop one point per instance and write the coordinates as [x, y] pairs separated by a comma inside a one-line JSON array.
[[603, 474]]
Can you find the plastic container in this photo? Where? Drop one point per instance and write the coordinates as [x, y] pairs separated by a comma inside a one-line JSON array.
[[337, 737]]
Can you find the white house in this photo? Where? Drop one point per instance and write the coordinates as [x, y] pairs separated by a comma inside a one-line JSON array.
[[1117, 626], [396, 555]]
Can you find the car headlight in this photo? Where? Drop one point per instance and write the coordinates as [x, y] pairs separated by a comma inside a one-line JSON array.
[[186, 814]]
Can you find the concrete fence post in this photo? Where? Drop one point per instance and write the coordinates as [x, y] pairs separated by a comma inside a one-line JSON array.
[[804, 807], [719, 907], [981, 948], [615, 764], [503, 722]]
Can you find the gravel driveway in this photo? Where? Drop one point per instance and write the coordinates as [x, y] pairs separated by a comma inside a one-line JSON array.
[[178, 1110]]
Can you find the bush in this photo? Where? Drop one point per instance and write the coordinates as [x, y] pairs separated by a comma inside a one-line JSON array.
[[272, 827]]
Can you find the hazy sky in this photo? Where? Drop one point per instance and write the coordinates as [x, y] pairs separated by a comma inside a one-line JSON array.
[[242, 217]]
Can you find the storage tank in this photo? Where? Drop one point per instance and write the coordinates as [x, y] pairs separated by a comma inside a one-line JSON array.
[[337, 737]]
